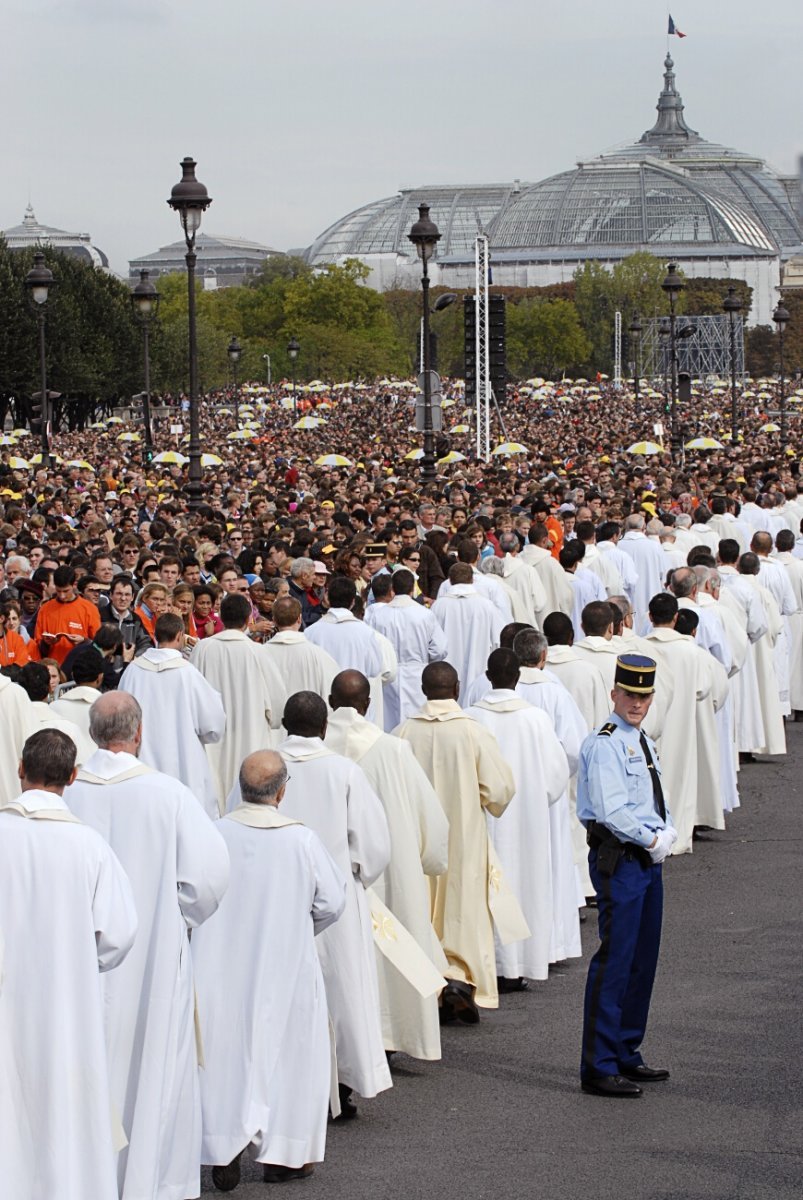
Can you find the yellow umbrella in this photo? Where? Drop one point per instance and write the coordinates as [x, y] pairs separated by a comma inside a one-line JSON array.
[[239, 435], [115, 421], [211, 460], [333, 460], [645, 448], [5, 440], [414, 455], [19, 464], [25, 432], [452, 457], [37, 458], [308, 423], [128, 437], [171, 456], [509, 448], [770, 427], [461, 428], [704, 443], [80, 462]]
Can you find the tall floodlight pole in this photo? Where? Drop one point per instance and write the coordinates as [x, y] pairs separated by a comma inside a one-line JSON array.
[[234, 351], [38, 282], [266, 358], [190, 199], [635, 330], [733, 306], [292, 349], [673, 286], [781, 320], [145, 303], [425, 237]]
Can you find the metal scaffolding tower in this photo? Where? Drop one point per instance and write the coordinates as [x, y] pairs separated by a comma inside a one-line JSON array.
[[483, 392], [705, 353], [617, 350]]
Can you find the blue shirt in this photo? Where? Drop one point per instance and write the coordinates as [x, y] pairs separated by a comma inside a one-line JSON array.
[[614, 785]]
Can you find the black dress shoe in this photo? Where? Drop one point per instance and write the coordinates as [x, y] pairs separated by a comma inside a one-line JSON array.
[[642, 1074], [611, 1085], [457, 1003], [511, 985], [348, 1109], [273, 1174], [226, 1178]]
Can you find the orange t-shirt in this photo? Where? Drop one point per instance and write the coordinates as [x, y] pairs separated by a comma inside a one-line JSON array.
[[556, 535], [78, 616], [13, 650]]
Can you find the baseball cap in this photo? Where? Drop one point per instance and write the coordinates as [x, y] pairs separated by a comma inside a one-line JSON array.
[[322, 569]]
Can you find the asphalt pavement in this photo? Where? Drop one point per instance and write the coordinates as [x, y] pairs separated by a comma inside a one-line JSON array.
[[502, 1115]]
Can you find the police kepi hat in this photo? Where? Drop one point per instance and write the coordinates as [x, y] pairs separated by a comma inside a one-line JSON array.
[[635, 673]]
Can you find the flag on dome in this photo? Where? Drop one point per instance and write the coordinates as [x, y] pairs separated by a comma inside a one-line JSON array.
[[673, 29]]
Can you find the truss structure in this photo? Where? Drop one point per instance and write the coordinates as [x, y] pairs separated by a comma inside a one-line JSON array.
[[617, 350], [483, 360], [707, 352]]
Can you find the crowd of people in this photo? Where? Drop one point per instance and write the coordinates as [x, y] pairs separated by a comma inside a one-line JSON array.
[[298, 767]]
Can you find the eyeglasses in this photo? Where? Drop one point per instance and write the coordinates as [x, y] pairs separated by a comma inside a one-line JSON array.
[[92, 591], [413, 558]]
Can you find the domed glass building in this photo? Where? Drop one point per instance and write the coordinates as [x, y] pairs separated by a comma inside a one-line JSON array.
[[32, 233], [716, 211]]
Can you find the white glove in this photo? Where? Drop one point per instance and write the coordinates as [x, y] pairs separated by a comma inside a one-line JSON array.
[[664, 841]]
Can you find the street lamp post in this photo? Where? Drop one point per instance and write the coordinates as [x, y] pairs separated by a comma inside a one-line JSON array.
[[781, 320], [732, 306], [145, 303], [425, 236], [266, 357], [190, 199], [234, 352], [635, 330], [293, 349], [39, 281], [673, 286]]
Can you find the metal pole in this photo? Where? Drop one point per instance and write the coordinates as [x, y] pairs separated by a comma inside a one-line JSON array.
[[43, 385], [734, 401], [236, 394], [194, 486], [146, 395], [783, 391], [295, 398], [674, 376], [428, 461], [267, 360]]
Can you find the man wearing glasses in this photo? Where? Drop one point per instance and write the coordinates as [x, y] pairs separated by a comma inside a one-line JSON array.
[[428, 569]]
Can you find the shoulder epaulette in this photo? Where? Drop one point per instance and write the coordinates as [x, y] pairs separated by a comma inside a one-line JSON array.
[[607, 729]]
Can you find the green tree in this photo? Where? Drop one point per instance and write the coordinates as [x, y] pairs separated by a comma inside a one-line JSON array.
[[545, 337], [594, 298]]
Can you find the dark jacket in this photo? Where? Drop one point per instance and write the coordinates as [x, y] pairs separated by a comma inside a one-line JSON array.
[[310, 612], [131, 629]]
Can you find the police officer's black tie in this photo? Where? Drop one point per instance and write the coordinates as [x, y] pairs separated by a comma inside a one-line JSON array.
[[657, 790]]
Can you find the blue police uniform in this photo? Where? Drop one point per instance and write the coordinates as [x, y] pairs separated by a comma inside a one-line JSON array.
[[619, 787]]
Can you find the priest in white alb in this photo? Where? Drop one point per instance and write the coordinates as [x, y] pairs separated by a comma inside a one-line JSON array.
[[179, 869], [66, 913], [303, 666], [521, 835], [471, 624], [182, 712], [261, 998], [470, 777], [419, 838], [331, 795], [416, 638], [250, 687]]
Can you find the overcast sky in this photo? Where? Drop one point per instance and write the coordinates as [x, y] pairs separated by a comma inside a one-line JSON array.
[[300, 112]]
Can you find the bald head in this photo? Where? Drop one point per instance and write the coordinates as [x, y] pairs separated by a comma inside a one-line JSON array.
[[350, 689], [115, 723], [761, 543], [263, 778], [439, 681]]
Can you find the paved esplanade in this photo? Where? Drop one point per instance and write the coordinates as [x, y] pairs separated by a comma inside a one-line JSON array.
[[503, 1116]]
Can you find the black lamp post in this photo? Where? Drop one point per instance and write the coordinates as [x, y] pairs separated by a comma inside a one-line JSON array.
[[39, 281], [781, 320], [266, 360], [234, 352], [293, 349], [635, 331], [733, 306], [425, 237], [190, 200], [673, 286], [145, 303]]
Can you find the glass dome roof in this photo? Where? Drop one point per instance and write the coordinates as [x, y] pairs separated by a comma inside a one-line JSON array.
[[671, 192]]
